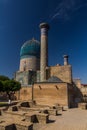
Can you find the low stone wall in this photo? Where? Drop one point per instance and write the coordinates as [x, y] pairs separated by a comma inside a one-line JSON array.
[[82, 105], [6, 126], [16, 125], [57, 107], [29, 114], [41, 110], [52, 112], [23, 125], [49, 111], [42, 118], [29, 109], [18, 113], [30, 117], [13, 108]]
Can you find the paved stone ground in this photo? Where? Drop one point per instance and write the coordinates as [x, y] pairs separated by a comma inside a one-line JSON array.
[[72, 119]]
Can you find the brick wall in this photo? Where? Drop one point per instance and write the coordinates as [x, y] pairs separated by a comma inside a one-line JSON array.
[[47, 93], [51, 93], [62, 72], [25, 93]]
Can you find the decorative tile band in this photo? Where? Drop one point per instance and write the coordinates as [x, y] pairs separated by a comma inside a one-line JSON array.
[[44, 31]]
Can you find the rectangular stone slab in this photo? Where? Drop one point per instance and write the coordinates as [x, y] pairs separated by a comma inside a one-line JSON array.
[[42, 118], [30, 117], [6, 126], [23, 125]]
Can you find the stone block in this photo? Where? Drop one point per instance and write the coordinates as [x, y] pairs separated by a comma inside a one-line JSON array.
[[30, 117], [18, 113], [6, 126], [50, 111], [82, 105], [23, 125], [13, 108], [57, 107], [29, 109], [53, 112], [25, 104], [44, 111], [42, 118]]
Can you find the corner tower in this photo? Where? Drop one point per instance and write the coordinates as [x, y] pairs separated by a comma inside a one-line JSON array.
[[44, 51]]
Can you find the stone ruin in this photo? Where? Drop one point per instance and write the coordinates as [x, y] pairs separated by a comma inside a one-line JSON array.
[[26, 115]]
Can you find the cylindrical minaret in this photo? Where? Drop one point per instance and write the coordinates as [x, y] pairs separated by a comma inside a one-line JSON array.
[[44, 51], [65, 59]]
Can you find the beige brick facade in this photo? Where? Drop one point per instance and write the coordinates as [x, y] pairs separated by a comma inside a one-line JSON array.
[[64, 73], [48, 93], [25, 93], [31, 63]]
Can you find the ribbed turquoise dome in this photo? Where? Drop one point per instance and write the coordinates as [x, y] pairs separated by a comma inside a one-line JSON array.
[[30, 48]]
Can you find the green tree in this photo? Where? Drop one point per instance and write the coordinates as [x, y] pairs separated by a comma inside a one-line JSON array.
[[1, 86], [10, 86], [3, 78]]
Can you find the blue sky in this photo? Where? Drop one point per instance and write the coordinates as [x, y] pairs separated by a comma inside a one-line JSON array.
[[20, 19]]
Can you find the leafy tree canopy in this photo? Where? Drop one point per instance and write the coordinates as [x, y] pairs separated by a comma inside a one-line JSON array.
[[8, 85], [1, 86], [11, 86], [3, 78]]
